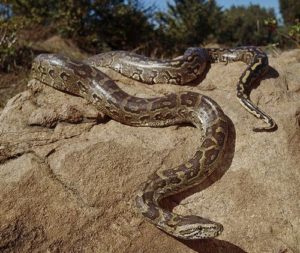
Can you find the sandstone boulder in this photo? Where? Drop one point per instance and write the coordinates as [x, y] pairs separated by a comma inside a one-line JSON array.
[[68, 174]]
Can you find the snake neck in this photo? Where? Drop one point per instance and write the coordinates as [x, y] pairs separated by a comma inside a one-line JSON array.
[[167, 182]]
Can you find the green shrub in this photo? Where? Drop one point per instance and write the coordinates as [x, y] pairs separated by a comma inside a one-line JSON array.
[[189, 23], [12, 52], [245, 26]]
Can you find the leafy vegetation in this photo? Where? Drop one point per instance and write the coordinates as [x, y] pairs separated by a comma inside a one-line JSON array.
[[12, 52], [189, 22], [290, 11], [245, 26], [101, 25]]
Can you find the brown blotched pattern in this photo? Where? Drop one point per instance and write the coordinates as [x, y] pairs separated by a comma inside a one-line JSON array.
[[189, 67], [83, 79]]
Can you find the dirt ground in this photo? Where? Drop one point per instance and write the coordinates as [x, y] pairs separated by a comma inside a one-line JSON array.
[[69, 187]]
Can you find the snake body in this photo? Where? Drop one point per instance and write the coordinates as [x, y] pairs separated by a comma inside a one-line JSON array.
[[189, 67], [85, 80], [181, 70]]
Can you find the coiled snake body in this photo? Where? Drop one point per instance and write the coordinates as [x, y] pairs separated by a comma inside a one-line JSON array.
[[85, 80], [189, 67]]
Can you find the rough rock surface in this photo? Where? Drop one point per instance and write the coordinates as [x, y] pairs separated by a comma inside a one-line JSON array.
[[68, 174]]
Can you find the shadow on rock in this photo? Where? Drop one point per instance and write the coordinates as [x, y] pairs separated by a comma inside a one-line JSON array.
[[201, 77], [212, 246], [271, 73], [221, 167]]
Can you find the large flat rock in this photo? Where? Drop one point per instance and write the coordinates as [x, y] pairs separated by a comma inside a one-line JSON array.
[[68, 174]]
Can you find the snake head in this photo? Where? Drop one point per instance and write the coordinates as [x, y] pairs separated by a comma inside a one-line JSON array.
[[194, 227]]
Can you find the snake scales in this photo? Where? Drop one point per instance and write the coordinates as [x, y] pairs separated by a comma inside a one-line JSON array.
[[85, 80]]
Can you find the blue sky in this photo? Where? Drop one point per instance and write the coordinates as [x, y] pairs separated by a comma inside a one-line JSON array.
[[161, 4]]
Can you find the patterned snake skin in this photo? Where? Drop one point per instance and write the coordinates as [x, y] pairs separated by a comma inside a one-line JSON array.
[[189, 67], [82, 79]]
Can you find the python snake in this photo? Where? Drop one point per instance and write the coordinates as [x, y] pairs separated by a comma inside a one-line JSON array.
[[82, 78], [189, 67]]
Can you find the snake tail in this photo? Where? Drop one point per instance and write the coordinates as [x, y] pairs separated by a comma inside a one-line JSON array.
[[257, 66]]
